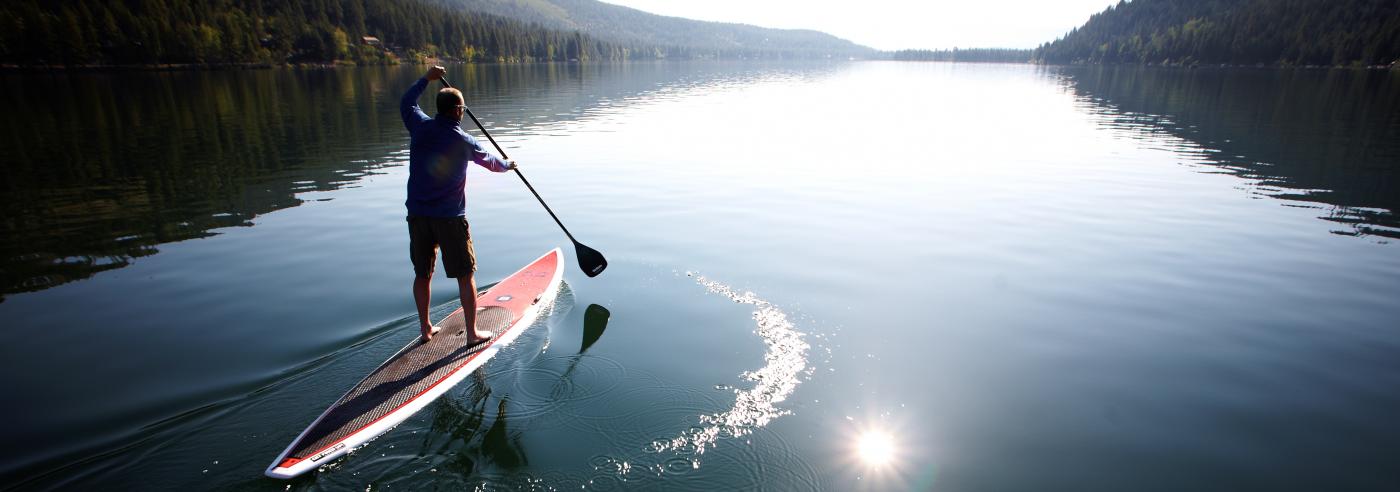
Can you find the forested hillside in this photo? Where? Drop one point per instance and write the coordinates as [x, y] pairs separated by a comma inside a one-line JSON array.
[[695, 38], [1246, 32], [206, 32]]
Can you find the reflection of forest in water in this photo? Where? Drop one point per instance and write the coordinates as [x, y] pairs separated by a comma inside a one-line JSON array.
[[1330, 137], [99, 168]]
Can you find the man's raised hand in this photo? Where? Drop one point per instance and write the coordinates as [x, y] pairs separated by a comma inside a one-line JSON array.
[[434, 73]]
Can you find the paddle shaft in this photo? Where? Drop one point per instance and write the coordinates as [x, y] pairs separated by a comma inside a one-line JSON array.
[[517, 170]]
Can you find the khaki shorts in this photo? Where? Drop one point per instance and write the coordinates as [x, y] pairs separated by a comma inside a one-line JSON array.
[[426, 234]]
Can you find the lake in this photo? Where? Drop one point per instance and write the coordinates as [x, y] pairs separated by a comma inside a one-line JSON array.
[[839, 276]]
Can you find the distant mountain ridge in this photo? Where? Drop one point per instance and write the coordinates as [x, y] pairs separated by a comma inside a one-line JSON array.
[[695, 38], [158, 33], [1245, 32]]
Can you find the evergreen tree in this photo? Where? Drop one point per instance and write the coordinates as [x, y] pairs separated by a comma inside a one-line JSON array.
[[78, 32], [1241, 32]]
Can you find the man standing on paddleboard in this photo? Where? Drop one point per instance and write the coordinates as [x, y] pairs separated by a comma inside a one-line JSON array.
[[439, 153]]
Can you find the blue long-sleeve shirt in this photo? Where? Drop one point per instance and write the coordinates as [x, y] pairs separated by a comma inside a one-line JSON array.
[[438, 153]]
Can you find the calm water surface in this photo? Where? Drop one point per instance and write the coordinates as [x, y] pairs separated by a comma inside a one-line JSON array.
[[872, 276]]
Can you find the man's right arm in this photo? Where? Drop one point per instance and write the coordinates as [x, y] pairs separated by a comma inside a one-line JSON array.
[[408, 107]]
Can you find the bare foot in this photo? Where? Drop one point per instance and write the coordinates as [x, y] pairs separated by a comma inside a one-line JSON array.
[[427, 334], [479, 336]]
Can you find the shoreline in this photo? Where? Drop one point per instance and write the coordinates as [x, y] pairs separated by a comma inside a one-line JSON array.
[[174, 67]]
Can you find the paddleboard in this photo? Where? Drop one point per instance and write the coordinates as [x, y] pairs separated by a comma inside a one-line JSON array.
[[421, 372]]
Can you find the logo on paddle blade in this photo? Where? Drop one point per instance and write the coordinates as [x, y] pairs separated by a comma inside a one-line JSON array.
[[504, 298]]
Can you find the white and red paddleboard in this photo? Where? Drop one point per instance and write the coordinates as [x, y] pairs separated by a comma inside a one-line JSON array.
[[421, 372]]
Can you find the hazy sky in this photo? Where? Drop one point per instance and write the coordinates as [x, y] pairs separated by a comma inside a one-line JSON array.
[[898, 24]]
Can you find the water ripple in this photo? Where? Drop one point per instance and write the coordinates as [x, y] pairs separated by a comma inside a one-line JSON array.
[[785, 361]]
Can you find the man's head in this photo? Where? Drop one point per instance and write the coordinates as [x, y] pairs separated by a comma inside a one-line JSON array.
[[451, 103]]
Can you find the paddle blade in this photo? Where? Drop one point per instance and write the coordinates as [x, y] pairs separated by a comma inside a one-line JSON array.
[[590, 260]]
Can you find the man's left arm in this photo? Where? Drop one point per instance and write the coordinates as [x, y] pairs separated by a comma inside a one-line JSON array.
[[408, 106]]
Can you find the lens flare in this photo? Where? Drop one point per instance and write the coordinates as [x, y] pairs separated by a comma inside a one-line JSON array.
[[875, 448]]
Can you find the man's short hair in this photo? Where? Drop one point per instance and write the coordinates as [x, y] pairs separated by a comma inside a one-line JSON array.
[[448, 99]]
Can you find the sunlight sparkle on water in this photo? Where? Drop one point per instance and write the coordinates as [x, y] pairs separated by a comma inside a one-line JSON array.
[[875, 448]]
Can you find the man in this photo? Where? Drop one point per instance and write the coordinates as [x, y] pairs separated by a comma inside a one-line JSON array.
[[438, 156]]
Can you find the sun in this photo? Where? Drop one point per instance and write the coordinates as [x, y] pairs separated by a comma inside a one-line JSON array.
[[875, 448]]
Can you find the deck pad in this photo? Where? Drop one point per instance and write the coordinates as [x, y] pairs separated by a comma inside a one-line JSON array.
[[402, 377], [421, 372]]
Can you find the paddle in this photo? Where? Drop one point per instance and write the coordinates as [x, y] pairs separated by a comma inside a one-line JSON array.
[[589, 260]]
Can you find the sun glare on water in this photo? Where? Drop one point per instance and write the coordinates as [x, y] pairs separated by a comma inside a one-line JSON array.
[[878, 460], [875, 448]]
